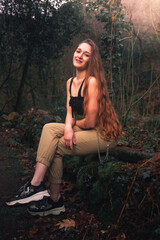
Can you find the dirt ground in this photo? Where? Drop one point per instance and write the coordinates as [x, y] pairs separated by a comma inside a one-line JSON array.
[[12, 220]]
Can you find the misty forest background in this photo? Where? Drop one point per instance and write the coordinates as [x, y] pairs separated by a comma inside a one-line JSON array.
[[37, 41]]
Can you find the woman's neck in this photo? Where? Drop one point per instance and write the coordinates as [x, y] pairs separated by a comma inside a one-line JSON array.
[[80, 75]]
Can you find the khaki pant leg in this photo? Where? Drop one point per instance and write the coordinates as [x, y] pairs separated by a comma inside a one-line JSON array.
[[86, 143], [50, 136]]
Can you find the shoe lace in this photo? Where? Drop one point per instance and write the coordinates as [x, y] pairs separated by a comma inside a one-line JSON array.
[[23, 188]]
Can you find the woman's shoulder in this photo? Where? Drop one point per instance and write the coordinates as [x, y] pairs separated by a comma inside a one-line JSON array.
[[69, 80], [92, 81], [92, 86]]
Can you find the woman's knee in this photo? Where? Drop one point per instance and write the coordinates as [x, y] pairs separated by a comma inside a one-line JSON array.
[[47, 126], [53, 129], [50, 127]]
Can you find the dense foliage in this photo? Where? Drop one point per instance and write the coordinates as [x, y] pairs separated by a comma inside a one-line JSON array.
[[113, 17], [132, 79], [33, 36]]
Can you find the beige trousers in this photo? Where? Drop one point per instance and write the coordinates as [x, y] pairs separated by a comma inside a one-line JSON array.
[[51, 149]]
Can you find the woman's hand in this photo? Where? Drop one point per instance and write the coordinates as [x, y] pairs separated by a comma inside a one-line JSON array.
[[69, 137]]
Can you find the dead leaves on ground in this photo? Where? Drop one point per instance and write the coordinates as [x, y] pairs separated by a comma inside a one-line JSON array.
[[66, 224]]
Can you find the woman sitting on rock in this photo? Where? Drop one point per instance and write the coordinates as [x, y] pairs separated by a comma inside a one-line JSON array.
[[87, 95]]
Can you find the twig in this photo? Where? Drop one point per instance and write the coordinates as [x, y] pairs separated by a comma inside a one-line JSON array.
[[127, 197], [123, 208], [139, 99], [142, 201], [125, 38], [87, 228]]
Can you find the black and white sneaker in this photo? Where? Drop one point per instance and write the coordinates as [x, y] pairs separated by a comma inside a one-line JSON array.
[[28, 193], [46, 207]]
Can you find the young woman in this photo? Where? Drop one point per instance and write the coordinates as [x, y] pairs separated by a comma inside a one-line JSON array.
[[87, 95]]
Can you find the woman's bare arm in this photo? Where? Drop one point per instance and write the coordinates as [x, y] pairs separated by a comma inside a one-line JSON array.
[[69, 138], [69, 119], [90, 119]]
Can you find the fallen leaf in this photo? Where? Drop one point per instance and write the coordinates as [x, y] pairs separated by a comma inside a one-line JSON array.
[[33, 231], [72, 199], [121, 236], [66, 223], [103, 231]]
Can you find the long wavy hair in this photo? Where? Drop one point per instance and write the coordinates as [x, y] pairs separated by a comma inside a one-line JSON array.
[[107, 120]]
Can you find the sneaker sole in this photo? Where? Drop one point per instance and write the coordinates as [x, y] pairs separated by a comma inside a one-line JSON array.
[[55, 212], [35, 197]]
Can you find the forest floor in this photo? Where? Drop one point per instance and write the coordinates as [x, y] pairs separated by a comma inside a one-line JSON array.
[[15, 222], [17, 162]]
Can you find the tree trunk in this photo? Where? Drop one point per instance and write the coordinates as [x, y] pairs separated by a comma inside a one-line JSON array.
[[22, 84], [129, 154]]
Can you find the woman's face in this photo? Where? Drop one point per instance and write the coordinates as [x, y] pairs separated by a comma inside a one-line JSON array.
[[81, 56]]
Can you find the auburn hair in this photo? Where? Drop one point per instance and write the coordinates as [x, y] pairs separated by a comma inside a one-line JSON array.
[[107, 120]]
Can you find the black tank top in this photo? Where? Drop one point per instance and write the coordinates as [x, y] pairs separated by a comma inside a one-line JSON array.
[[76, 103]]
